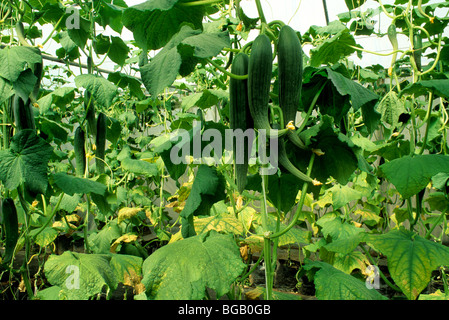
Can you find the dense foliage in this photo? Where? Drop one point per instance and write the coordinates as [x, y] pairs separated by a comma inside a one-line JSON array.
[[102, 188]]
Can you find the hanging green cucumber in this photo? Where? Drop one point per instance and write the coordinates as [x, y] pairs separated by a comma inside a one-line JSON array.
[[259, 83], [11, 229], [240, 118], [38, 73], [290, 69], [23, 114], [392, 36], [80, 152], [90, 65], [100, 142], [417, 49], [285, 162], [89, 107], [20, 30]]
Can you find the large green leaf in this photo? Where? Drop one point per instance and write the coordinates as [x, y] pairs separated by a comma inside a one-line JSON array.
[[123, 80], [59, 97], [339, 160], [101, 241], [81, 33], [412, 174], [333, 284], [339, 92], [331, 50], [282, 191], [184, 269], [75, 185], [337, 229], [110, 14], [14, 59], [80, 276], [25, 84], [359, 95], [6, 90], [154, 22], [342, 195], [390, 108], [208, 188], [102, 90], [52, 129], [411, 258], [119, 51], [26, 162], [140, 167], [127, 269], [180, 55], [205, 99], [439, 87]]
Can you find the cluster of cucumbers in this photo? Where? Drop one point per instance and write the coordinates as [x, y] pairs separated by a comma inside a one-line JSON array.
[[249, 99]]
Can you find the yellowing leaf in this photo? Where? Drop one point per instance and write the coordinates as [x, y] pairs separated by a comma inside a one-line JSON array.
[[127, 213], [127, 238], [223, 223]]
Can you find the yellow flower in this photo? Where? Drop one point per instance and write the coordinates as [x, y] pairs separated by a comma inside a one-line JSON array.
[[239, 27], [290, 125]]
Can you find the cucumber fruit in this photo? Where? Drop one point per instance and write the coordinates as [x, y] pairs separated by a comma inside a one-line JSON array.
[[23, 114], [417, 49], [259, 81], [80, 152], [240, 118], [11, 228], [100, 142], [290, 69]]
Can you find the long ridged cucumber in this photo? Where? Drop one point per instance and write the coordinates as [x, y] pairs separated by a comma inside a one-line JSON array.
[[290, 69], [259, 83], [392, 36], [89, 107], [23, 114], [38, 72], [100, 142], [417, 49], [20, 30], [289, 166], [11, 228], [80, 152], [240, 118]]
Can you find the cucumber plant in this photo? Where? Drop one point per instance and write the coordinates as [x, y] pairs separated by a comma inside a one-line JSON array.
[[99, 169]]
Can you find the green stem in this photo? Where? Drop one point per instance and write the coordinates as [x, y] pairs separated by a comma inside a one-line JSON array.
[[376, 53], [385, 10], [413, 132], [55, 209], [260, 11], [437, 59], [444, 277], [253, 268], [53, 31], [267, 242], [309, 112], [427, 120], [440, 218], [300, 204], [226, 71], [86, 225]]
